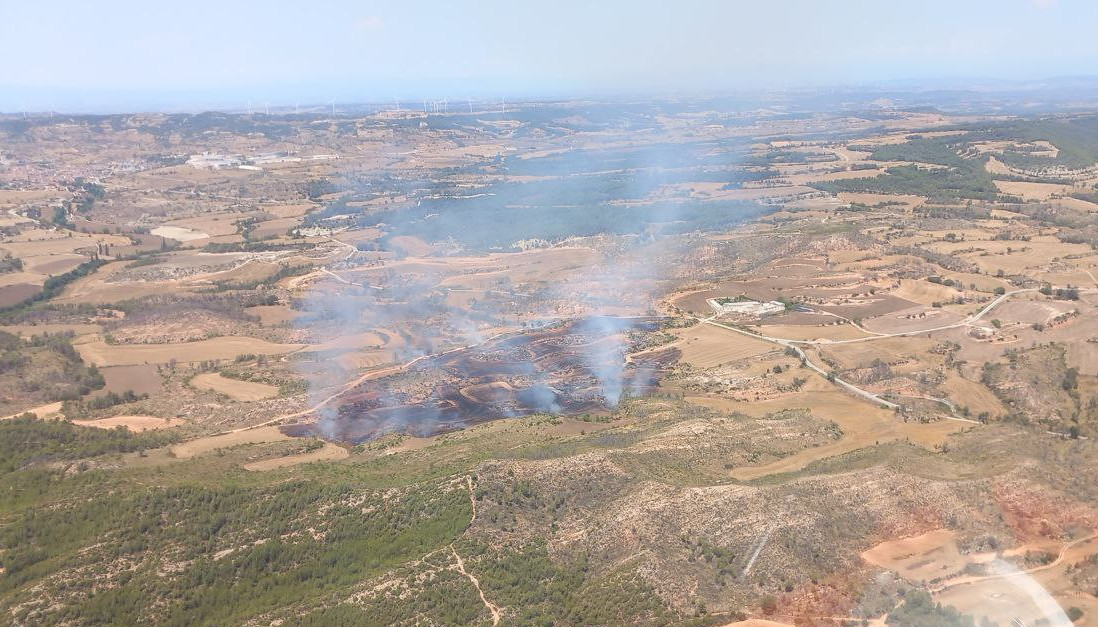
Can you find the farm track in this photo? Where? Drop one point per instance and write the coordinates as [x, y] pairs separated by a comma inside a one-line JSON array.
[[1029, 571], [850, 387], [491, 607]]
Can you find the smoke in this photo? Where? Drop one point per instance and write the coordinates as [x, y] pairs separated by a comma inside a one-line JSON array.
[[605, 357], [604, 230]]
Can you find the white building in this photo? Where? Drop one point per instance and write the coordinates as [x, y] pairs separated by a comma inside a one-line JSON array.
[[745, 308]]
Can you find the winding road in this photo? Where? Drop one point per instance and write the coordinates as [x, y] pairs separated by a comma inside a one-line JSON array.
[[850, 387]]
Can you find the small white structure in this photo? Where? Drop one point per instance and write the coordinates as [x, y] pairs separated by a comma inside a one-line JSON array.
[[745, 308], [214, 161]]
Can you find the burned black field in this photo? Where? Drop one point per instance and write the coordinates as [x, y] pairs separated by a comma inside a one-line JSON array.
[[570, 369]]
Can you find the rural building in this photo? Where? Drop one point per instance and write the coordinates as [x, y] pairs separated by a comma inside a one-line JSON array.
[[745, 308]]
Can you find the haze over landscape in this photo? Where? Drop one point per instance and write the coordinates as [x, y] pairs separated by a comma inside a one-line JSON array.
[[129, 55], [709, 313]]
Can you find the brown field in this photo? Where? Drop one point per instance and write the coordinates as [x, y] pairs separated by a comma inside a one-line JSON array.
[[931, 555], [141, 379], [15, 294], [898, 322], [95, 289], [999, 600], [863, 424], [359, 359], [98, 352], [213, 225], [1074, 203], [136, 424], [803, 332], [812, 177], [199, 446], [876, 199], [247, 272], [361, 341], [974, 395], [53, 264], [27, 330], [22, 278], [878, 305], [1031, 311], [17, 197], [289, 210], [412, 246], [994, 166], [272, 228], [234, 388], [1084, 356], [705, 346], [271, 315], [328, 452], [756, 193], [1003, 214], [1031, 191], [180, 233], [50, 243], [41, 411], [889, 350], [924, 292], [1080, 278], [981, 281]]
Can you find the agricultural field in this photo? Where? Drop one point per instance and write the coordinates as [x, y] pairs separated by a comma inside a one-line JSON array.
[[667, 362]]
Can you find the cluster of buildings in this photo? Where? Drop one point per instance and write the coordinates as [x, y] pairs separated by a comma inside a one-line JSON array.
[[745, 308], [216, 161]]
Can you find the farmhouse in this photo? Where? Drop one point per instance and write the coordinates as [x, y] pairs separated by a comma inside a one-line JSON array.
[[746, 308]]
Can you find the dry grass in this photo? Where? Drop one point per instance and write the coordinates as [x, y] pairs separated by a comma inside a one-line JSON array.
[[28, 330], [907, 201], [812, 332], [141, 379], [706, 346], [136, 424], [863, 424], [888, 350], [234, 388], [924, 292], [922, 558], [1031, 191], [199, 446], [974, 395], [98, 352], [326, 453], [271, 315], [42, 411]]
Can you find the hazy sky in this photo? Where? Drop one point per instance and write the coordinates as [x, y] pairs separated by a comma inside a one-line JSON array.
[[70, 54]]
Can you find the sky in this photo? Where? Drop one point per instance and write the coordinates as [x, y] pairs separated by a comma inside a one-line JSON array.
[[69, 55]]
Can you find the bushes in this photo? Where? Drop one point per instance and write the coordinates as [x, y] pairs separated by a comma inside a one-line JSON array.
[[26, 438], [291, 542], [53, 285], [918, 610]]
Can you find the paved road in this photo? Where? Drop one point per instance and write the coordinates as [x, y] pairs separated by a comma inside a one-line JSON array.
[[866, 394], [967, 321]]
